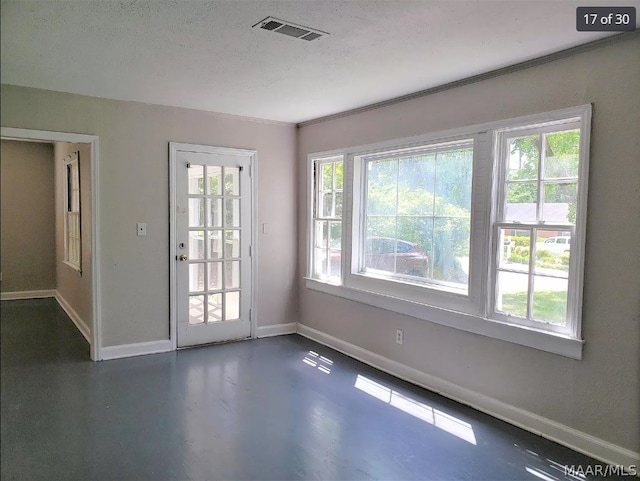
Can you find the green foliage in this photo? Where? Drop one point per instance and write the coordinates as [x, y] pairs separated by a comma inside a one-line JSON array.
[[426, 200], [561, 151], [548, 306], [521, 241]]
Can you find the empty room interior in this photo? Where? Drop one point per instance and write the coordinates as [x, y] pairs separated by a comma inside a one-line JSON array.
[[320, 239]]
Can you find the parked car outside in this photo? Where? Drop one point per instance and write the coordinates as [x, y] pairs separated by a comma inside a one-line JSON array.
[[555, 245], [396, 255], [387, 253]]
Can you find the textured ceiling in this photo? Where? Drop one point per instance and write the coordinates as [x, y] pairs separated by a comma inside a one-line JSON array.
[[205, 55]]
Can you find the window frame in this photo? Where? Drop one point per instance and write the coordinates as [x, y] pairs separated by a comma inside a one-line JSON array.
[[581, 120], [314, 210], [71, 168], [471, 313], [432, 294]]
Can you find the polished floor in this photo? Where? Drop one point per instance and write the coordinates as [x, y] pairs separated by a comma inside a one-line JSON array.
[[272, 409]]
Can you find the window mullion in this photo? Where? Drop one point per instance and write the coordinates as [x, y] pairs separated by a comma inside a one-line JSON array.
[[533, 234], [395, 247], [540, 190]]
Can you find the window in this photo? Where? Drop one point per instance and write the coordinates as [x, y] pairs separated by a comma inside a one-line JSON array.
[[417, 215], [72, 229], [327, 218], [480, 228], [539, 169]]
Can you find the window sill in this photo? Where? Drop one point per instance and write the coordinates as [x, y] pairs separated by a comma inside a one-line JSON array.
[[73, 267], [525, 336]]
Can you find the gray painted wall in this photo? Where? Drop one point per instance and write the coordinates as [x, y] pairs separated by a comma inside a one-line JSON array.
[[27, 217], [599, 395], [134, 187], [74, 287]]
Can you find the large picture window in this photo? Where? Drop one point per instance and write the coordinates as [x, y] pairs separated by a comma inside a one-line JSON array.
[[480, 228], [418, 213]]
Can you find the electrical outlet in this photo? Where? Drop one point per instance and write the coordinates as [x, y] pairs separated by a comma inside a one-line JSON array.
[[141, 227], [399, 336]]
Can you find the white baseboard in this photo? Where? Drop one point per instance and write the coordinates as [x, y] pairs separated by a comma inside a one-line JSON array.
[[137, 349], [14, 296], [572, 438], [73, 315], [277, 330]]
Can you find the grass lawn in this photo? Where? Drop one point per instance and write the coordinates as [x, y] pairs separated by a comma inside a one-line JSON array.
[[547, 305]]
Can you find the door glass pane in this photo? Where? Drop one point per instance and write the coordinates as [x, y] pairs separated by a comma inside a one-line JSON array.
[[196, 212], [521, 202], [562, 154], [515, 250], [232, 212], [196, 277], [550, 299], [232, 181], [512, 293], [214, 305], [560, 202], [196, 244], [232, 243], [195, 174], [215, 244], [231, 305], [232, 275], [523, 155], [215, 212], [196, 309], [215, 275], [214, 180]]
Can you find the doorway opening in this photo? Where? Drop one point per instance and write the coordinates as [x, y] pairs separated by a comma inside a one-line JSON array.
[[75, 209]]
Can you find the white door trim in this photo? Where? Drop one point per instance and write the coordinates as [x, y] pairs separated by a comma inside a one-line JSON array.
[[174, 147], [9, 133]]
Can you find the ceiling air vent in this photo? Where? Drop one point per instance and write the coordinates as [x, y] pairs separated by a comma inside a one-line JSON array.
[[290, 29]]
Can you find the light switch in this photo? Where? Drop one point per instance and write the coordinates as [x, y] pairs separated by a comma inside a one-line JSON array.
[[142, 229], [265, 228]]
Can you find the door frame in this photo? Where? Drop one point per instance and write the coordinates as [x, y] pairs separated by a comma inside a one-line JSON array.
[[10, 133], [174, 148]]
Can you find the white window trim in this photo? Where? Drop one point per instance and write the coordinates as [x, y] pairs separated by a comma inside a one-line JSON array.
[[319, 161], [476, 318], [469, 302], [72, 159], [330, 156]]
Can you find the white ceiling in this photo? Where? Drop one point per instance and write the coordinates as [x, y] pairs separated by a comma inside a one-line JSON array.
[[205, 55]]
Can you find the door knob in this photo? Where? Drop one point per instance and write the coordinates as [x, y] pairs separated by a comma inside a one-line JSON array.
[[183, 257]]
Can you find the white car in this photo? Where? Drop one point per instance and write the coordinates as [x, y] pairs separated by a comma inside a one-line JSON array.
[[556, 245]]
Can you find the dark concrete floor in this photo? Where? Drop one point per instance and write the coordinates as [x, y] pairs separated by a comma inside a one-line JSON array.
[[278, 409]]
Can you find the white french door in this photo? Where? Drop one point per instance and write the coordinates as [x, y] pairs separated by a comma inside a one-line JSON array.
[[212, 222]]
